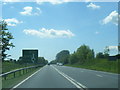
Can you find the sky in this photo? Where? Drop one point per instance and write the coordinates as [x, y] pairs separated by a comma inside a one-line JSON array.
[[52, 27]]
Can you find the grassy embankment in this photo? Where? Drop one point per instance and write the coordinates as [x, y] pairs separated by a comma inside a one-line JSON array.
[[99, 65], [8, 66], [11, 81]]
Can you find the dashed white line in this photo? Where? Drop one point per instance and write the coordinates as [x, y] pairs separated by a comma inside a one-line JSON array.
[[99, 75], [74, 82]]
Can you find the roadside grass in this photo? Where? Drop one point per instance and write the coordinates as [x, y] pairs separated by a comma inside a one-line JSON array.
[[8, 66], [99, 65], [11, 81]]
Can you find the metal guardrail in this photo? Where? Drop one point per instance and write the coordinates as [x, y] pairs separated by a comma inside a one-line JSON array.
[[14, 71]]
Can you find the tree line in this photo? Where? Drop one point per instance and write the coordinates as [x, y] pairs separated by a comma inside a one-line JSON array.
[[81, 55], [40, 60]]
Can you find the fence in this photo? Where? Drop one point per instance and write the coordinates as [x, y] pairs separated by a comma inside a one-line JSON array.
[[23, 70]]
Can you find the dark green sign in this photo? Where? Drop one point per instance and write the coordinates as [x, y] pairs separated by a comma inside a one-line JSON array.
[[30, 56]]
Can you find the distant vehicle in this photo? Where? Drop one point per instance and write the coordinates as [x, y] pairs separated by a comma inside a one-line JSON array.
[[48, 63], [59, 64]]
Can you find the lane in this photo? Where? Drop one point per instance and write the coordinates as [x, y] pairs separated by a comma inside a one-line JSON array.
[[91, 78], [47, 77]]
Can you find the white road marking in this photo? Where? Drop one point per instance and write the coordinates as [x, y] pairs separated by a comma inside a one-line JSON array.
[[25, 79], [100, 71], [99, 75], [108, 74], [74, 82]]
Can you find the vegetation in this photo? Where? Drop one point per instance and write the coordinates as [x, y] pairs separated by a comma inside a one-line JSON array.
[[63, 57], [99, 64], [82, 54], [11, 65], [100, 55], [53, 62], [84, 57], [41, 60], [5, 38]]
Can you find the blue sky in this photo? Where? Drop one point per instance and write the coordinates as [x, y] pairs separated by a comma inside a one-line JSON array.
[[63, 26]]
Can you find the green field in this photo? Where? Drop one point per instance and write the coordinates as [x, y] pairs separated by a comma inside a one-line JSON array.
[[99, 64]]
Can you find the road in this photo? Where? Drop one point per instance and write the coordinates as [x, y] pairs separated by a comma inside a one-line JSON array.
[[52, 76]]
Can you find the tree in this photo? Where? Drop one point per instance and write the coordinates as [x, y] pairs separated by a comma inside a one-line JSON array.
[[100, 55], [106, 52], [84, 53], [90, 55], [53, 62], [41, 60], [73, 58], [5, 37], [63, 56]]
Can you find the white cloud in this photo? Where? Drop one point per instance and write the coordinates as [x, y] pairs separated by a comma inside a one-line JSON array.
[[11, 0], [38, 11], [54, 2], [97, 32], [113, 47], [112, 17], [88, 0], [113, 50], [57, 1], [50, 1], [29, 11], [93, 6], [38, 8], [50, 33], [4, 3], [13, 22]]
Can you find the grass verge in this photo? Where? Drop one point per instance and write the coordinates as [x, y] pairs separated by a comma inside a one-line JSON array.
[[9, 66], [99, 65], [10, 82]]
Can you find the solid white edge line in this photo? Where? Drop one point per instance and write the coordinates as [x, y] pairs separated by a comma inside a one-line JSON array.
[[26, 79], [74, 82]]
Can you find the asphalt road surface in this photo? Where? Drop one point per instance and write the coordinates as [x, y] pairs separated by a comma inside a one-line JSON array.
[[53, 76]]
